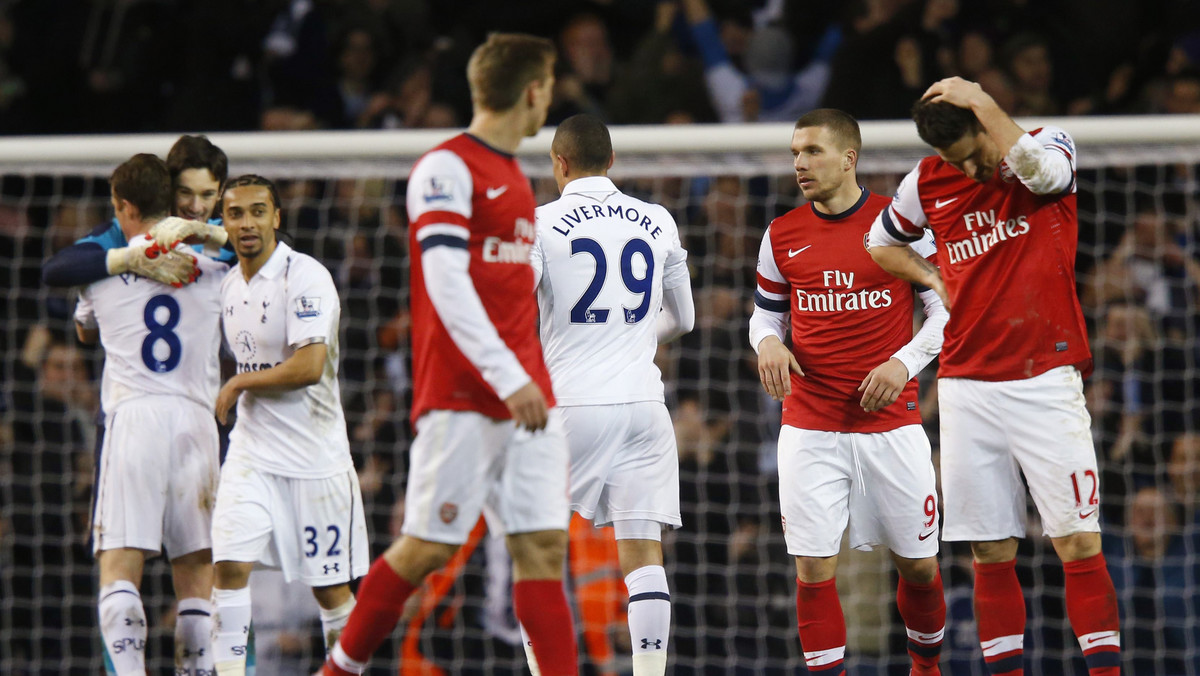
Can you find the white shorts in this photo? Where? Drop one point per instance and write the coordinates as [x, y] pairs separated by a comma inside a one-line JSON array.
[[882, 483], [463, 463], [994, 431], [624, 462], [158, 477], [313, 530]]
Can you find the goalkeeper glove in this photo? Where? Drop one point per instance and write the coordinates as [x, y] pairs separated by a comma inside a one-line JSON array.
[[169, 267], [172, 230]]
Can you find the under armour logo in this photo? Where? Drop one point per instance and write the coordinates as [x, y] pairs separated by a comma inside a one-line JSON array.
[[330, 568], [646, 643], [197, 653], [229, 311], [129, 622]]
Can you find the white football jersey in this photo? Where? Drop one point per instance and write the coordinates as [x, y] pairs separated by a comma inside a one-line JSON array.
[[602, 260], [158, 339], [291, 302]]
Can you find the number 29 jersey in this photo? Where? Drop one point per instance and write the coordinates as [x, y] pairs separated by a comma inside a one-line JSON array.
[[602, 260], [158, 340]]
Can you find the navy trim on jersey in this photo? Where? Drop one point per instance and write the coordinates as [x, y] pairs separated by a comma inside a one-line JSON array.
[[489, 146], [100, 458], [771, 305], [442, 240], [862, 199], [892, 230]]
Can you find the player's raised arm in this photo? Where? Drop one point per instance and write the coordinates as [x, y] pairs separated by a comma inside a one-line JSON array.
[[1044, 161]]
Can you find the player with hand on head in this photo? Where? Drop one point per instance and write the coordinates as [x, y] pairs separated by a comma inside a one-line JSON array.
[[1001, 203], [487, 435], [197, 169], [612, 283], [289, 495], [851, 448], [159, 455]]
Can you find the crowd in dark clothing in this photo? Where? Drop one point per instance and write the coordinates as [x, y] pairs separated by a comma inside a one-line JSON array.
[[209, 65]]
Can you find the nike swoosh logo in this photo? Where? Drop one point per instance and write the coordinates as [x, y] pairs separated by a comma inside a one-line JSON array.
[[925, 536], [938, 204], [1084, 515], [493, 193], [1092, 640], [985, 645], [793, 253]]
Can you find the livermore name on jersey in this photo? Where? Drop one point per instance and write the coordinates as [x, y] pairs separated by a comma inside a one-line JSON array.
[[602, 260], [158, 339]]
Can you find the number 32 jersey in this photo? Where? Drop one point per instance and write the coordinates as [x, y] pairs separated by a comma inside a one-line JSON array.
[[601, 261], [158, 340]]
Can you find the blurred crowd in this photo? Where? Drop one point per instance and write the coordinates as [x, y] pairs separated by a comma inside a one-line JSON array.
[[175, 65]]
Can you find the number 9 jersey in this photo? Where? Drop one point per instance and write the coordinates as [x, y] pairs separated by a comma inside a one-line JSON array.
[[158, 339], [599, 319]]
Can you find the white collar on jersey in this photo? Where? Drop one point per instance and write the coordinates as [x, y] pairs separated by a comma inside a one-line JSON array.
[[277, 263], [602, 184]]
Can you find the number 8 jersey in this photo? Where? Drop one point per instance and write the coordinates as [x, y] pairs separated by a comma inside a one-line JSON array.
[[601, 261], [158, 340]]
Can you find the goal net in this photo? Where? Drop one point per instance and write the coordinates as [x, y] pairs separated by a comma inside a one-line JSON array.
[[732, 582]]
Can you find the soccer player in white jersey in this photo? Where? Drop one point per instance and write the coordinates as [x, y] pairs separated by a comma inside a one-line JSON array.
[[851, 449], [612, 283], [289, 495], [158, 462], [1001, 203]]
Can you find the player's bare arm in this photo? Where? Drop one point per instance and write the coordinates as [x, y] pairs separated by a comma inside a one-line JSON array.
[[901, 261], [528, 407], [87, 336], [776, 363], [966, 94], [302, 369], [883, 385]]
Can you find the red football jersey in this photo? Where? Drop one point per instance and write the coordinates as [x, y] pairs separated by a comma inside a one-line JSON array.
[[848, 315], [1007, 256], [466, 190]]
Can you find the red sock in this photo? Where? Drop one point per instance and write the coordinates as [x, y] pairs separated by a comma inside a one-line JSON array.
[[1092, 609], [381, 597], [1000, 617], [822, 627], [541, 607], [923, 609]]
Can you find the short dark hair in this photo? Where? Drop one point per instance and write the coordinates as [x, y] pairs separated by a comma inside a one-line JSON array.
[[942, 124], [197, 152], [144, 182], [584, 140], [501, 68], [253, 179], [842, 124]]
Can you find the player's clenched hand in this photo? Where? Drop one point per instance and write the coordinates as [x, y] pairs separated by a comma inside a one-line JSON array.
[[883, 385], [226, 398], [528, 407], [172, 230], [776, 363]]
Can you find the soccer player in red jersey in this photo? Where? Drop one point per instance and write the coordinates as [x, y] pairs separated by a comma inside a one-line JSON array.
[[852, 448], [487, 435], [1001, 203]]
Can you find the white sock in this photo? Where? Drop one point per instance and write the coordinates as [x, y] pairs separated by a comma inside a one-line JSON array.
[[123, 626], [193, 637], [231, 629], [333, 621], [528, 646], [649, 619]]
